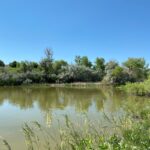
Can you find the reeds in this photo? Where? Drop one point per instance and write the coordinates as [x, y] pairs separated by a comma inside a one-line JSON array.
[[121, 135], [5, 143], [127, 133]]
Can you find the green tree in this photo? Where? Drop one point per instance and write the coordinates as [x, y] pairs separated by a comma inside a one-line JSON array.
[[13, 64], [119, 76], [85, 62], [34, 65], [27, 66], [46, 63], [109, 67], [78, 60], [2, 64], [136, 68], [24, 66], [100, 64], [57, 65]]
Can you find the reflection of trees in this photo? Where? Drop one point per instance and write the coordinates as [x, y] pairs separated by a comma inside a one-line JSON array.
[[16, 96], [114, 98], [48, 118], [82, 99], [50, 98]]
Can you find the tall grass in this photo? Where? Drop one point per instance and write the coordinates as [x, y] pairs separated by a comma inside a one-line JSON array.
[[138, 88], [132, 132], [5, 143]]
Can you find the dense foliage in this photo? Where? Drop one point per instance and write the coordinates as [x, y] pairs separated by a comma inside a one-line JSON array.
[[83, 70]]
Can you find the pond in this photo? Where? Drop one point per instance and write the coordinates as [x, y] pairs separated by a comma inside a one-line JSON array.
[[47, 105]]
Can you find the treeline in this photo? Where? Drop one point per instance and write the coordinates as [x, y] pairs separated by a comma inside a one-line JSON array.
[[83, 70]]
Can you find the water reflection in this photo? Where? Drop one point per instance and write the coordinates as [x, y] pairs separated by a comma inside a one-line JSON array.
[[59, 98], [47, 104]]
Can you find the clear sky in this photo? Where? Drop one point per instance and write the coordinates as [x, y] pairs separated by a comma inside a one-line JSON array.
[[113, 29]]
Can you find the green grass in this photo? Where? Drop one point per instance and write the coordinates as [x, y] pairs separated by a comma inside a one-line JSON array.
[[138, 88]]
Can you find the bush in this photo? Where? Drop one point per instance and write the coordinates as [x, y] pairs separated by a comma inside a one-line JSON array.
[[27, 81], [75, 73], [10, 79], [23, 78]]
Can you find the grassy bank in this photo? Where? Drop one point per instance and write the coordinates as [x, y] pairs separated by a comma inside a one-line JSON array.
[[139, 88]]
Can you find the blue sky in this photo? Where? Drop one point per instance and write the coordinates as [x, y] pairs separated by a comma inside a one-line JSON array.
[[113, 29]]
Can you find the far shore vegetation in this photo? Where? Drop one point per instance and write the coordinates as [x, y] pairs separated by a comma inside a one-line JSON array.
[[50, 71]]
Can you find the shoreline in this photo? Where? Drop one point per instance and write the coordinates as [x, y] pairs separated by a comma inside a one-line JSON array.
[[74, 84]]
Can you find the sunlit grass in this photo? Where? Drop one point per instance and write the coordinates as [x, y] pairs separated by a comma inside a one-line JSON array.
[[138, 88]]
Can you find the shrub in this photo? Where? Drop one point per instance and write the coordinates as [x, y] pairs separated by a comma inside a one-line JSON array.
[[75, 73], [27, 81]]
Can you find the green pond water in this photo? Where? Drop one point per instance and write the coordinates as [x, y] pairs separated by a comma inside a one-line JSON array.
[[47, 105]]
